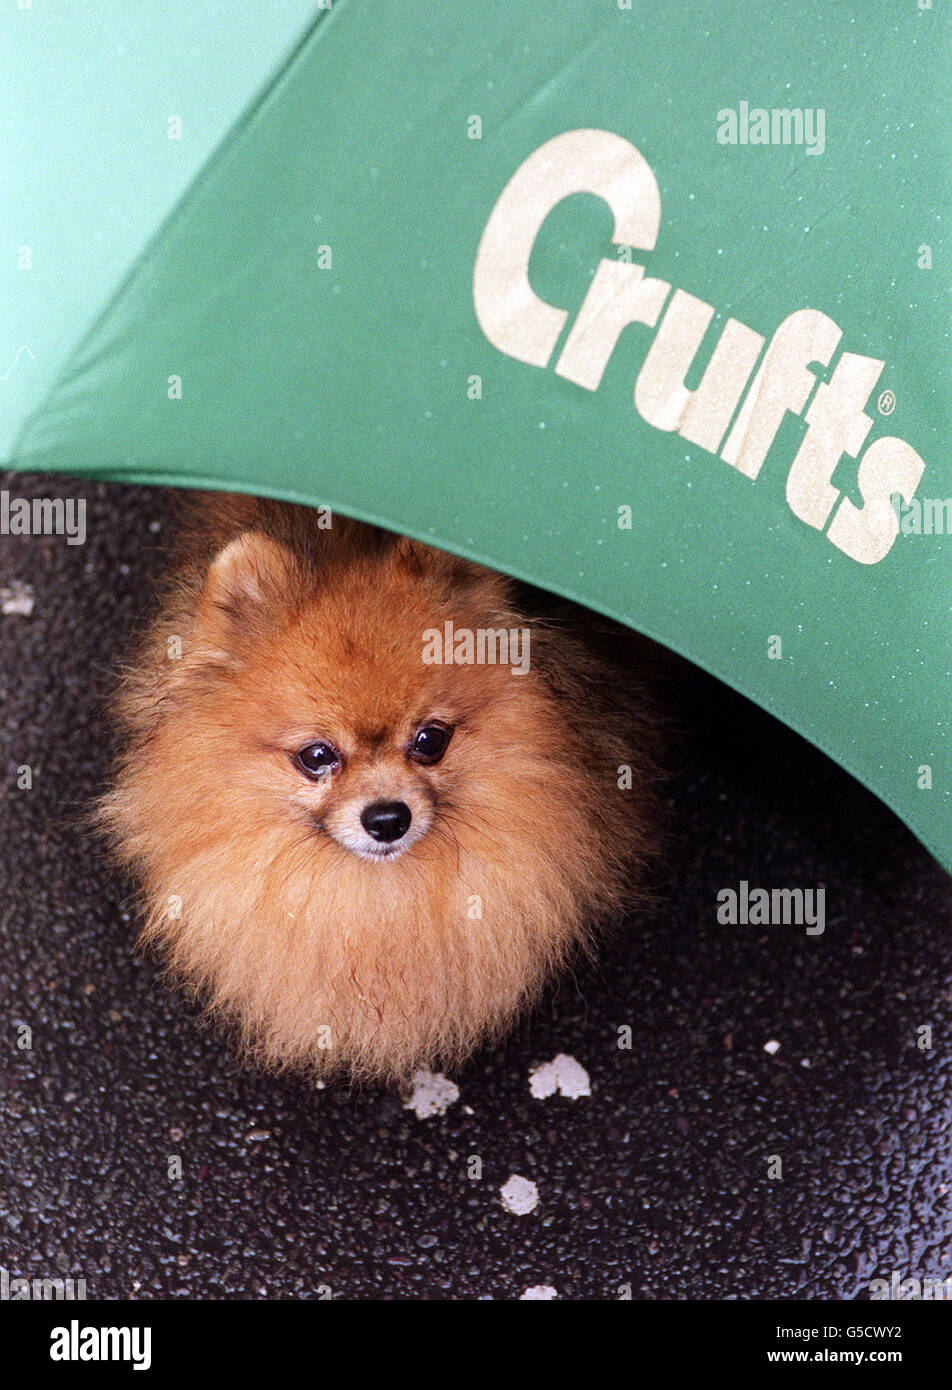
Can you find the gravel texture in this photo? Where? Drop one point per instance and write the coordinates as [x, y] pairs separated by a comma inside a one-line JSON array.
[[657, 1181]]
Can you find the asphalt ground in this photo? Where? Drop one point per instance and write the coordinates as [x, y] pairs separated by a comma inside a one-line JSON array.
[[658, 1181]]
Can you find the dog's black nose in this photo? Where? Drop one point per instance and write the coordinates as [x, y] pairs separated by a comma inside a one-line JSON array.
[[386, 820]]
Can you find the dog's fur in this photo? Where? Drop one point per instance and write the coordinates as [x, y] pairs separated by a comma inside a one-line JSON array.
[[274, 632]]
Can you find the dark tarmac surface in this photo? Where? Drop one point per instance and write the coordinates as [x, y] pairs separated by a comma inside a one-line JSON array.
[[657, 1181]]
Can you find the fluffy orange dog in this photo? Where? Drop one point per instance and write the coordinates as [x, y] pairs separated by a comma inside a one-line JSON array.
[[367, 860]]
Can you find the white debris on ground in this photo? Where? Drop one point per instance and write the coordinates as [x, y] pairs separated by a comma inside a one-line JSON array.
[[433, 1093], [772, 1047], [563, 1075], [519, 1195], [17, 599], [539, 1293]]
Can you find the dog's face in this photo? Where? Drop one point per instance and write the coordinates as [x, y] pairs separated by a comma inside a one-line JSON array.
[[342, 840], [333, 717], [368, 790]]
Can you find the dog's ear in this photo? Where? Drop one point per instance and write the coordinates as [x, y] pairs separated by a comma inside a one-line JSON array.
[[460, 579], [245, 582]]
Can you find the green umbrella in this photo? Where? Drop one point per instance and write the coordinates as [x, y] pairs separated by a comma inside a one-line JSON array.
[[646, 303]]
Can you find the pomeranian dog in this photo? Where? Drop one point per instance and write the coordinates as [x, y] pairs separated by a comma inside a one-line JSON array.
[[365, 854]]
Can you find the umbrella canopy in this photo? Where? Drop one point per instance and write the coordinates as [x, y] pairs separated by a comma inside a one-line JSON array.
[[646, 304]]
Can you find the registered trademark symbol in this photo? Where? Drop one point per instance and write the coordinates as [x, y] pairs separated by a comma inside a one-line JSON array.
[[886, 403]]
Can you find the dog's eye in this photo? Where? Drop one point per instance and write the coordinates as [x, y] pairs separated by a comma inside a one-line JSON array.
[[318, 759], [430, 743]]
